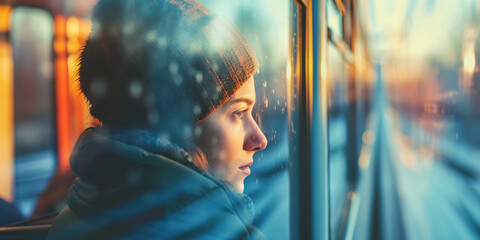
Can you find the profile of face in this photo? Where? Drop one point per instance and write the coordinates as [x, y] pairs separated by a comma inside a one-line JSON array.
[[230, 136]]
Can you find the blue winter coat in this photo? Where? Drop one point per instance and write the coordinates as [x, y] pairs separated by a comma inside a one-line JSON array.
[[126, 192]]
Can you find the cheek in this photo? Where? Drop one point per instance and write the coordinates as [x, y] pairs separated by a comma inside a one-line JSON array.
[[229, 146], [226, 146]]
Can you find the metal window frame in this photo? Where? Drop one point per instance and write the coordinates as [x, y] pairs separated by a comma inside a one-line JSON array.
[[308, 121]]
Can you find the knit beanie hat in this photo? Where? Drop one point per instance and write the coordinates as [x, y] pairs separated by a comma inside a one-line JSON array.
[[161, 63]]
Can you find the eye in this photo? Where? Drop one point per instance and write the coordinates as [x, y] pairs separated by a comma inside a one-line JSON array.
[[239, 114]]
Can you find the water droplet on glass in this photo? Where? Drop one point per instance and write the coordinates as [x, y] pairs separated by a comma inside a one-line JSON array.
[[128, 29], [178, 79], [215, 67], [197, 109], [162, 42], [199, 77], [150, 36], [187, 132], [215, 96], [173, 68], [135, 89]]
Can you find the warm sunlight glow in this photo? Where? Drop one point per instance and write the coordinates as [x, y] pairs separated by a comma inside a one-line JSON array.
[[6, 121], [5, 18], [469, 62]]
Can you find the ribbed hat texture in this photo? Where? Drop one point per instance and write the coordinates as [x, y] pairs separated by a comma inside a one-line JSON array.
[[227, 57], [156, 61]]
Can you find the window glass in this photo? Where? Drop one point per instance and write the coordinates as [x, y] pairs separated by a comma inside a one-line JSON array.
[[338, 135], [34, 113], [265, 26], [433, 117], [296, 75], [334, 19]]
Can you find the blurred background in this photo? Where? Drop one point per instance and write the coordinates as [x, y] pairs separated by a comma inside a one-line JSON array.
[[402, 84], [426, 57]]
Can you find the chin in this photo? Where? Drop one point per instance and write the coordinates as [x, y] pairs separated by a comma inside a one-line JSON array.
[[238, 187]]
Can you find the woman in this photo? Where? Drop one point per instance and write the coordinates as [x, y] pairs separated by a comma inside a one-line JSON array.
[[173, 86]]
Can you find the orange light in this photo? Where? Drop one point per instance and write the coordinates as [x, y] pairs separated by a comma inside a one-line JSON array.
[[62, 95], [79, 106], [84, 29], [7, 154], [5, 12], [60, 26], [77, 33], [6, 121], [60, 43], [72, 27], [73, 45], [77, 30], [60, 46], [63, 113]]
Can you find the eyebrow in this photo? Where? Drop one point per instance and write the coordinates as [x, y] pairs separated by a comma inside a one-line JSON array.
[[246, 100]]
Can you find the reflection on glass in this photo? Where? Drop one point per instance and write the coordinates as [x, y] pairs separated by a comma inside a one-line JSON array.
[[265, 26], [31, 37]]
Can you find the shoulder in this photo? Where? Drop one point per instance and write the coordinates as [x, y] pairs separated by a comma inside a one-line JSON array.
[[166, 200], [126, 191]]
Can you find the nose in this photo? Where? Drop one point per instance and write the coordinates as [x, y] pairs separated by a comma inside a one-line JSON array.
[[255, 140]]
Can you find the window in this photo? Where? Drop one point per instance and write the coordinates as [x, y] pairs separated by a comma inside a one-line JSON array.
[[265, 26], [34, 111]]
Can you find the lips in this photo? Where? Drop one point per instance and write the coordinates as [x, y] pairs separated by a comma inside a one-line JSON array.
[[246, 168]]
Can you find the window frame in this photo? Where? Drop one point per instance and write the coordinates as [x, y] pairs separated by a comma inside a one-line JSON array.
[[308, 124]]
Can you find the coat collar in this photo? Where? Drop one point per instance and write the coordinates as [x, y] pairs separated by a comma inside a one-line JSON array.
[[114, 166]]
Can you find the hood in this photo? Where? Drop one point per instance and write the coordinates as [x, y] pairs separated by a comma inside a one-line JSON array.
[[118, 180], [106, 158], [114, 174]]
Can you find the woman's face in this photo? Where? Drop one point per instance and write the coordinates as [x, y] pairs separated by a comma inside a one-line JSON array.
[[230, 136]]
